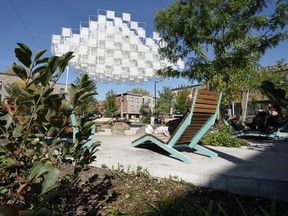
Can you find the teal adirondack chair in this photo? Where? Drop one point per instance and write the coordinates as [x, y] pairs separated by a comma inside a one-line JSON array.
[[57, 103], [91, 137], [202, 116], [261, 134], [74, 122]]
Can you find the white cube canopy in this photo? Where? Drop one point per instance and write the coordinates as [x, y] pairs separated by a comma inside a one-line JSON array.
[[112, 48]]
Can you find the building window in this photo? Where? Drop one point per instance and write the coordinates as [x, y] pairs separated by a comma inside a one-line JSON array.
[[62, 90], [0, 85]]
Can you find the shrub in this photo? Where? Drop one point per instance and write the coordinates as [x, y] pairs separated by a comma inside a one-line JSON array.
[[32, 150], [221, 135]]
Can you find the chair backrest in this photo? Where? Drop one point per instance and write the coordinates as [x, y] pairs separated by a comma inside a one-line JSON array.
[[201, 117]]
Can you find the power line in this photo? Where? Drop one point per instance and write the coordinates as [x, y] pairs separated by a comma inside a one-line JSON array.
[[26, 29]]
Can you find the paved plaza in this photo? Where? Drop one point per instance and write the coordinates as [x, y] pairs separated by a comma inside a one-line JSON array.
[[260, 169]]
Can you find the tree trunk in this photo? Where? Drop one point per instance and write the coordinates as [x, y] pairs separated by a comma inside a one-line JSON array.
[[244, 104]]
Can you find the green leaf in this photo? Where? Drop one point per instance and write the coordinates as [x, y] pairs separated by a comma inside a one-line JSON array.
[[39, 54], [39, 70], [29, 152], [44, 169], [8, 118], [50, 112], [220, 210], [50, 180], [20, 71], [24, 54], [45, 77], [273, 209], [244, 213], [51, 131], [53, 63], [66, 107], [56, 122], [17, 132], [88, 125], [47, 90], [25, 48], [209, 208], [31, 85], [43, 60], [86, 94], [35, 170], [64, 60], [24, 93]]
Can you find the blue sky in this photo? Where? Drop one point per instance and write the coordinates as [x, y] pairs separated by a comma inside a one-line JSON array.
[[42, 19]]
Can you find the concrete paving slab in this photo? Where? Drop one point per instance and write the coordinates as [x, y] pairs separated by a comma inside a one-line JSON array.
[[260, 169]]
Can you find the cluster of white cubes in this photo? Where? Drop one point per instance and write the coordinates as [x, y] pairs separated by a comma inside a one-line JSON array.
[[112, 48]]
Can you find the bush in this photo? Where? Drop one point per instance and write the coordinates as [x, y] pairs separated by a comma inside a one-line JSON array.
[[221, 135], [32, 150]]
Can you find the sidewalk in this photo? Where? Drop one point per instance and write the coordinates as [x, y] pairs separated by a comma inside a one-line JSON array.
[[260, 169]]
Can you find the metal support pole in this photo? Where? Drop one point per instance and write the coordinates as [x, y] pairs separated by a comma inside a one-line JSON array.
[[121, 101], [155, 100], [67, 76]]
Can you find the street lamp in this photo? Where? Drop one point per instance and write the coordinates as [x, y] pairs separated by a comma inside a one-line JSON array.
[[155, 82]]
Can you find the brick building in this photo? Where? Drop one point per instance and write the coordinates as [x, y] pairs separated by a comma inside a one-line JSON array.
[[132, 103]]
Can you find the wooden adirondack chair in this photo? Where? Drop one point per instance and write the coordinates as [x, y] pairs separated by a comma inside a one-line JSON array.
[[202, 116]]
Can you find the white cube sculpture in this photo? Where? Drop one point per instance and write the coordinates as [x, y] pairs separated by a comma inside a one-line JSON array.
[[112, 48]]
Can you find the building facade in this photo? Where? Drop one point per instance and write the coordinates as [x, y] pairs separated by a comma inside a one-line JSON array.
[[7, 79], [132, 103]]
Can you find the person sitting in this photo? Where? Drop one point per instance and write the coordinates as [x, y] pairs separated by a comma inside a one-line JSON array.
[[171, 126], [267, 121], [234, 122]]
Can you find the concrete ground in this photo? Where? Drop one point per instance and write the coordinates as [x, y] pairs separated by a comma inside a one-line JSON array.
[[260, 169]]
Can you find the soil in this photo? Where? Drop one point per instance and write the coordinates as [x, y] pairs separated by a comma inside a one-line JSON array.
[[101, 191]]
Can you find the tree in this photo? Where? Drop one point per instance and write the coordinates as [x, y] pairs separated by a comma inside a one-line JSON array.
[[164, 102], [90, 103], [181, 103], [146, 113], [276, 95], [111, 105], [145, 110], [277, 74], [218, 37], [143, 92]]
